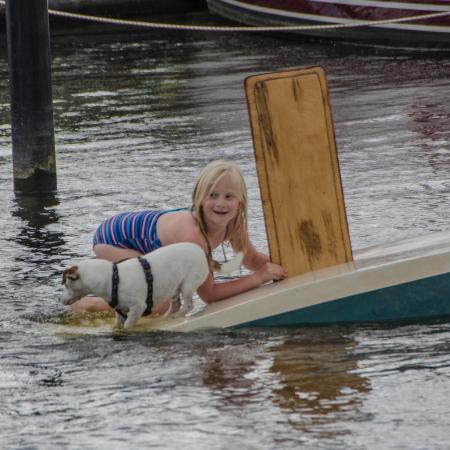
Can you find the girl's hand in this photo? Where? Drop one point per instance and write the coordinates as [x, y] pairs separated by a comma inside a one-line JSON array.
[[270, 271]]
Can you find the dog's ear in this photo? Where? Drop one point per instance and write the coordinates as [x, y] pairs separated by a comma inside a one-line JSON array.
[[70, 274]]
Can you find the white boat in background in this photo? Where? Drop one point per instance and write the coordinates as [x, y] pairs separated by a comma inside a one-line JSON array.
[[398, 21]]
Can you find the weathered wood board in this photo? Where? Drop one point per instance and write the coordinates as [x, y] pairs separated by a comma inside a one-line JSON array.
[[298, 169]]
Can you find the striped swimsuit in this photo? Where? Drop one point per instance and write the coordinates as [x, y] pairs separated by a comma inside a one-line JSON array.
[[132, 230]]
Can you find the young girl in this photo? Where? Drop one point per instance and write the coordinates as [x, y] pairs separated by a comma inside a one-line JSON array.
[[218, 214]]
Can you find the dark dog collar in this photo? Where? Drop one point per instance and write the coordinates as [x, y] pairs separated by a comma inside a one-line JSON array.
[[115, 287]]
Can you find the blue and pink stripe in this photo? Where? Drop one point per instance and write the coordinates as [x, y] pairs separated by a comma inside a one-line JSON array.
[[134, 230]]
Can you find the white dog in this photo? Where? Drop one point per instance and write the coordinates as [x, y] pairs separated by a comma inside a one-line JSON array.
[[132, 289]]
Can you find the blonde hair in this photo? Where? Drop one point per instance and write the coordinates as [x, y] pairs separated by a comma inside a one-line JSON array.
[[237, 231]]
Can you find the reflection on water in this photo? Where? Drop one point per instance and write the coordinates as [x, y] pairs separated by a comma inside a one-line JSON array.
[[318, 383], [36, 214], [324, 380], [430, 122], [136, 116], [310, 378]]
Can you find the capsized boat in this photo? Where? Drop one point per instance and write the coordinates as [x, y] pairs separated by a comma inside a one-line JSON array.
[[408, 280], [403, 22]]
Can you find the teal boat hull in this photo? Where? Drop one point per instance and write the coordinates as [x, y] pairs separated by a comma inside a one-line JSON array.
[[414, 301]]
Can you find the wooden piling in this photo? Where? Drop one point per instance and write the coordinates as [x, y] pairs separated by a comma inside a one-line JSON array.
[[298, 170], [33, 143]]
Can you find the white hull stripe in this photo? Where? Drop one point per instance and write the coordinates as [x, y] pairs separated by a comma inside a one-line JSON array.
[[334, 20], [388, 5]]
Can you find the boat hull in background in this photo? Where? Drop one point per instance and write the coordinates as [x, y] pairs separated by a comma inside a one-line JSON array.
[[429, 32]]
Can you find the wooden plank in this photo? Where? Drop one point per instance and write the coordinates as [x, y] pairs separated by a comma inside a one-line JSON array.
[[298, 169]]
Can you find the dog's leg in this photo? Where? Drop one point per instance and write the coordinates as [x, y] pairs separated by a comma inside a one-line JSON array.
[[175, 304], [134, 314], [181, 308], [186, 304], [119, 321]]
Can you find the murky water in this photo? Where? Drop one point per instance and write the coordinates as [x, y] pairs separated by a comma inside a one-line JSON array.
[[136, 116]]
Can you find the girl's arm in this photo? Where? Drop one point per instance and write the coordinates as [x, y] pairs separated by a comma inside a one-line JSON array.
[[210, 291]]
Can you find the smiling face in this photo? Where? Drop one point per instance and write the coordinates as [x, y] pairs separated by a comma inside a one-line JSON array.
[[221, 205]]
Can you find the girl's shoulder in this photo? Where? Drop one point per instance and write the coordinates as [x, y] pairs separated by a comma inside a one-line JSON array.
[[177, 218], [190, 231], [180, 226]]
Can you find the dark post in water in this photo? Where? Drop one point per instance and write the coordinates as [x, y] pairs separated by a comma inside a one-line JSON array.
[[33, 141]]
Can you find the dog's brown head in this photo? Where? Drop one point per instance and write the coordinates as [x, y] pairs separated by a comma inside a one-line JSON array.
[[71, 273], [73, 288]]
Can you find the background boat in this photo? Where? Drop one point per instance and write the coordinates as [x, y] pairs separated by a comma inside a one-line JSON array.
[[348, 15]]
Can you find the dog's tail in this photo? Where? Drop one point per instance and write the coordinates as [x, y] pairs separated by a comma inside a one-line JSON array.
[[232, 264]]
